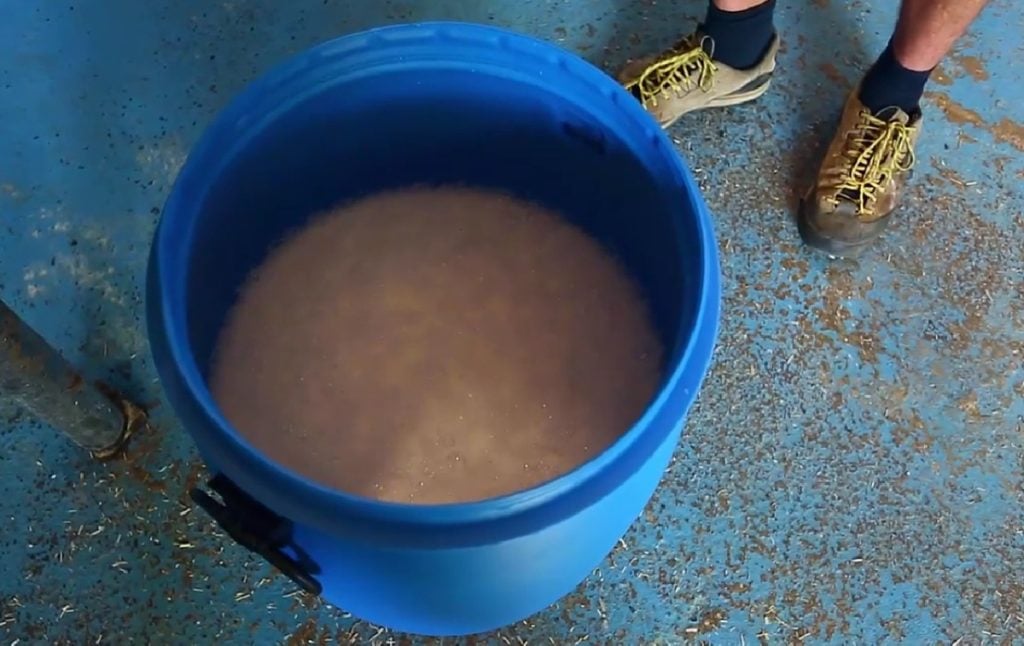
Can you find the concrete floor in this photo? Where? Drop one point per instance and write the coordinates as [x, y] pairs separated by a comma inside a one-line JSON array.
[[853, 472]]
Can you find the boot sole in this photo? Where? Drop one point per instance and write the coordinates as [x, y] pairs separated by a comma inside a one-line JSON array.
[[817, 240], [760, 86]]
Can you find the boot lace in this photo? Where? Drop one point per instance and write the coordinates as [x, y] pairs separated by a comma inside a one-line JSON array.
[[681, 69], [876, 150]]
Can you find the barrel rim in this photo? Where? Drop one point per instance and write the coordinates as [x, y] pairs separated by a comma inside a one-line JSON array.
[[337, 512]]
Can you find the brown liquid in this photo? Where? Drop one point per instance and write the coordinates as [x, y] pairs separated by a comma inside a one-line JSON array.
[[436, 345]]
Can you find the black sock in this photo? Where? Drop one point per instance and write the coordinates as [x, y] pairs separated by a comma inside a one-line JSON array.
[[741, 37], [890, 85]]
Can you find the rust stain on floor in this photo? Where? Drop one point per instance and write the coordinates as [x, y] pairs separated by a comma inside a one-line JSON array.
[[1006, 131], [973, 66], [941, 77], [955, 112], [1011, 132], [833, 74]]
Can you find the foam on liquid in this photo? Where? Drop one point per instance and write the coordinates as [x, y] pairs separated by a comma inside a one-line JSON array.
[[436, 345]]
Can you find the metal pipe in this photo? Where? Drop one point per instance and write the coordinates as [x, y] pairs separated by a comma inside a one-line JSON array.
[[36, 376]]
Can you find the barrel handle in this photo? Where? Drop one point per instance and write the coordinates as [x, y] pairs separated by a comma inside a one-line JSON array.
[[258, 529]]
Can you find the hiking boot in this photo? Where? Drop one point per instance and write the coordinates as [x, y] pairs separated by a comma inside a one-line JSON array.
[[860, 180], [687, 78]]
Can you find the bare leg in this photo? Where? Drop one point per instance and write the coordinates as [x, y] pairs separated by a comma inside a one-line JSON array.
[[737, 5], [927, 30]]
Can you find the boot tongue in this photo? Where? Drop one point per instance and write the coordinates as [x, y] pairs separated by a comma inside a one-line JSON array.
[[893, 114]]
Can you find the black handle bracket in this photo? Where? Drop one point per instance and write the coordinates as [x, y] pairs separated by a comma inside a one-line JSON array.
[[258, 529]]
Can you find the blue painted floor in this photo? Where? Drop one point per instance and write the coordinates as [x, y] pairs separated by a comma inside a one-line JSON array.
[[853, 472]]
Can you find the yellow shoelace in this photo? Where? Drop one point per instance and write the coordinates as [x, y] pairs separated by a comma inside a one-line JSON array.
[[877, 149], [677, 71]]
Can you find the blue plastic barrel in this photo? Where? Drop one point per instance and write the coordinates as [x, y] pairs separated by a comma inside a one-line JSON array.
[[439, 103]]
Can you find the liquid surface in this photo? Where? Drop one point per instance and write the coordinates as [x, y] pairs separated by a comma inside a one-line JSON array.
[[436, 345]]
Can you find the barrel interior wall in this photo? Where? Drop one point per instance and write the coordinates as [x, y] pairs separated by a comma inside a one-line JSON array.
[[460, 129]]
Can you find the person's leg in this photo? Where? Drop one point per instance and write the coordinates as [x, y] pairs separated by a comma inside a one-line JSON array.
[[729, 60], [867, 165], [925, 32], [735, 5], [741, 30]]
